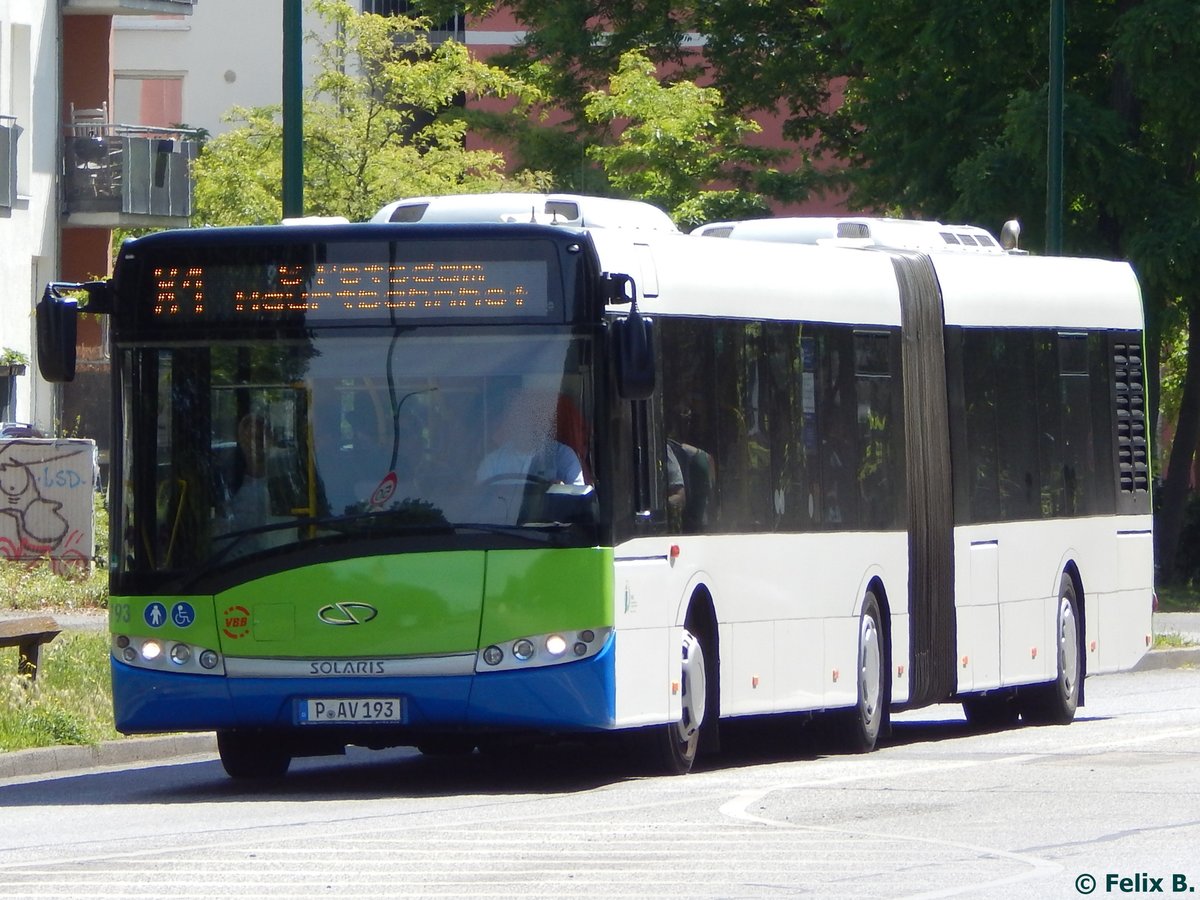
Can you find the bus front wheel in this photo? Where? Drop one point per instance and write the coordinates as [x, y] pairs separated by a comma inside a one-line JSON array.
[[252, 754], [671, 749]]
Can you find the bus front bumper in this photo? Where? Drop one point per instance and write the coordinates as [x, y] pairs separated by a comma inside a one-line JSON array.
[[575, 696]]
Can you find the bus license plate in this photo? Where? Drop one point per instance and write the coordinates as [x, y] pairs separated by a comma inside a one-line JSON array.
[[351, 709]]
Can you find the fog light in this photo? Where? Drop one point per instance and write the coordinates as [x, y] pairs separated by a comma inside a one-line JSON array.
[[209, 659], [587, 636], [151, 649], [580, 648], [129, 654], [493, 655], [122, 641], [523, 649], [180, 654], [556, 645]]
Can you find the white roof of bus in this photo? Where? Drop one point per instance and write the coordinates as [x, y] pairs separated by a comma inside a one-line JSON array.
[[572, 210], [860, 231], [770, 280], [680, 274]]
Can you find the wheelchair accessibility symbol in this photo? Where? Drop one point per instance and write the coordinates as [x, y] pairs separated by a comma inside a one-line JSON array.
[[182, 614]]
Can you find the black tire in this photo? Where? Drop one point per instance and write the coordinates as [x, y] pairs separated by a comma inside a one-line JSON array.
[[863, 724], [992, 712], [1055, 703], [671, 749], [253, 754]]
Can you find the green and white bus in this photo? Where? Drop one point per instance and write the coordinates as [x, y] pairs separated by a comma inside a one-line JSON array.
[[437, 481]]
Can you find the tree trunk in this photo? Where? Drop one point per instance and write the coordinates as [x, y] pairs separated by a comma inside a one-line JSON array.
[[1175, 488]]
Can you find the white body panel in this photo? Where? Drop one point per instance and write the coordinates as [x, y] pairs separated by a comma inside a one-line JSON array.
[[788, 607], [1038, 291], [1006, 590]]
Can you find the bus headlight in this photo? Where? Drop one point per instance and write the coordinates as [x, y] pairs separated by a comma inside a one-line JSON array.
[[536, 650], [166, 656]]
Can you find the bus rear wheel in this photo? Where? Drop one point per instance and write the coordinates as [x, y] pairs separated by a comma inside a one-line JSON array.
[[1055, 703], [671, 749], [253, 754]]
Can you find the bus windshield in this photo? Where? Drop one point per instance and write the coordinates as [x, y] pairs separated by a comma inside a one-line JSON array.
[[253, 445]]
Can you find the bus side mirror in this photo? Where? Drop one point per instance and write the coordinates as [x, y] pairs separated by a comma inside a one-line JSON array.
[[633, 355], [56, 329]]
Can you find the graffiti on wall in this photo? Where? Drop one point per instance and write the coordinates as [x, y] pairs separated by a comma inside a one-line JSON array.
[[46, 493]]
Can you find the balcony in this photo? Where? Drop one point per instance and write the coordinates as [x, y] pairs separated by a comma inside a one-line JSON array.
[[128, 176], [128, 7]]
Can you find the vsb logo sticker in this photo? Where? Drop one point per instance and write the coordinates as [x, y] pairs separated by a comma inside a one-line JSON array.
[[347, 613], [236, 622]]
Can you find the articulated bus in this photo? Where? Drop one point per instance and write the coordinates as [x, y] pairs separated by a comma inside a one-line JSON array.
[[449, 483]]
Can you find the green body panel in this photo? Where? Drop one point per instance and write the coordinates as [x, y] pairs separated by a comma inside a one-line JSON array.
[[531, 592], [425, 604]]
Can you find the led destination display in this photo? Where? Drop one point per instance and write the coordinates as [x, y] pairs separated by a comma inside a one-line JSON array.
[[349, 291]]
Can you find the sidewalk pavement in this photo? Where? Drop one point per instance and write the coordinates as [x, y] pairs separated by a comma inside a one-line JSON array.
[[44, 760]]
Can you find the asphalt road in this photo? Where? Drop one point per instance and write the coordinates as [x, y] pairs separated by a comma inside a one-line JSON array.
[[938, 811]]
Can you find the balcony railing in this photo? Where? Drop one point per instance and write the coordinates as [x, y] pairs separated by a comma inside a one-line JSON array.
[[128, 175], [128, 7]]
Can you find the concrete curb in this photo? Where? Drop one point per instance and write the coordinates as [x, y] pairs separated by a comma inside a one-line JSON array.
[[1169, 658], [42, 760]]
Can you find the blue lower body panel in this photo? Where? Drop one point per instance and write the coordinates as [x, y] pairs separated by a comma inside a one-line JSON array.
[[576, 696]]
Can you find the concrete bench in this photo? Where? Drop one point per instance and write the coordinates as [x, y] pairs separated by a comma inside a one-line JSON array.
[[28, 635]]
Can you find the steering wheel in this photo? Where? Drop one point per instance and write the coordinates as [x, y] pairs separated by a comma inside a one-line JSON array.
[[516, 478]]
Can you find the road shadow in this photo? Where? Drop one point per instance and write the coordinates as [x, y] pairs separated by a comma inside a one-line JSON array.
[[565, 767]]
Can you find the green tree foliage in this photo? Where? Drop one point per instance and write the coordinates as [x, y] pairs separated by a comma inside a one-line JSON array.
[[761, 55], [380, 122], [674, 142], [950, 102]]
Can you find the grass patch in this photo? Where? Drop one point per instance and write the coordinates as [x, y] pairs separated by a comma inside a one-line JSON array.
[[69, 703], [1171, 640], [40, 588]]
